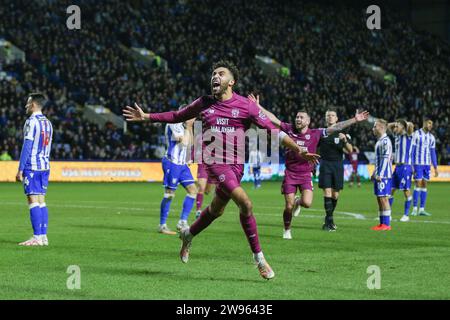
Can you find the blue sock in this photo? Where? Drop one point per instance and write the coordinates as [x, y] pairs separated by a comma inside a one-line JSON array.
[[381, 217], [391, 201], [255, 181], [416, 194], [44, 213], [188, 203], [423, 198], [407, 205], [164, 210], [36, 218]]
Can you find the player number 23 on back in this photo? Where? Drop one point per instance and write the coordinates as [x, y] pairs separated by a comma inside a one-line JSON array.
[[246, 309]]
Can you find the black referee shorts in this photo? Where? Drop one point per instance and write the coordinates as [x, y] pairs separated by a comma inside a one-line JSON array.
[[331, 175]]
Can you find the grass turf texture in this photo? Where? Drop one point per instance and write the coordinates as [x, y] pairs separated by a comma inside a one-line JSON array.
[[109, 231]]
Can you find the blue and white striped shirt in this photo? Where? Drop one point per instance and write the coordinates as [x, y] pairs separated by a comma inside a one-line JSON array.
[[176, 151], [403, 149], [39, 130], [383, 157], [423, 144]]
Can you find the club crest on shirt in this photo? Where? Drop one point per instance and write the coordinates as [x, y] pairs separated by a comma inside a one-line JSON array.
[[307, 137], [336, 140], [222, 178], [262, 115], [235, 113]]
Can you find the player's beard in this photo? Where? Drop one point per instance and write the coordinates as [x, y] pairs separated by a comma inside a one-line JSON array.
[[219, 92]]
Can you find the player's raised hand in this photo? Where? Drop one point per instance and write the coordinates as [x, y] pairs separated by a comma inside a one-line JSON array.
[[134, 114], [361, 115], [252, 97]]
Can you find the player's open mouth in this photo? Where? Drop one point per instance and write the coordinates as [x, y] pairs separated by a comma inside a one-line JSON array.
[[216, 84]]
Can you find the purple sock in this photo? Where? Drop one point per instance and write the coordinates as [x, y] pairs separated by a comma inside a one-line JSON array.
[[199, 201], [287, 218], [248, 223], [202, 222]]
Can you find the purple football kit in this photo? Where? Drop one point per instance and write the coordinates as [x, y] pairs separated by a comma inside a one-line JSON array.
[[298, 172]]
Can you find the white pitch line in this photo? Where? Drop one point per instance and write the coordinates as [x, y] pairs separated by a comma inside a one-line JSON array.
[[351, 215]]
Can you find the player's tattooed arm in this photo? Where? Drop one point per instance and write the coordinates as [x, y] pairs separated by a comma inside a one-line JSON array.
[[270, 115], [360, 116]]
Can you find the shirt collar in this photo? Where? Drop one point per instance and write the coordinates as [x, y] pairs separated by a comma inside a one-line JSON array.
[[384, 135], [36, 113]]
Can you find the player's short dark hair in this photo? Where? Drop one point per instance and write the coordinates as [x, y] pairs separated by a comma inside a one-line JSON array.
[[229, 65], [302, 111], [403, 122], [426, 119], [38, 98], [332, 110]]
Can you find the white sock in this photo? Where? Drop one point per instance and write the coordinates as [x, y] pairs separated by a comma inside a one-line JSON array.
[[258, 256]]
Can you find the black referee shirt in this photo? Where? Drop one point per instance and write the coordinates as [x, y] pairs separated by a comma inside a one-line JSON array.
[[331, 147]]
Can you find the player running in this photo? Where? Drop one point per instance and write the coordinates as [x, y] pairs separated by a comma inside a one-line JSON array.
[[223, 113], [382, 175], [34, 167], [423, 154], [298, 173], [204, 184], [176, 171], [331, 171], [402, 176]]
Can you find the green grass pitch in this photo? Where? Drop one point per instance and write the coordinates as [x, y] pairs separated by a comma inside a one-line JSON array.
[[109, 231]]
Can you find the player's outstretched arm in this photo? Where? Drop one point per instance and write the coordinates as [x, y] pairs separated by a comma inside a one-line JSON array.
[[189, 112], [269, 114], [359, 117], [301, 151]]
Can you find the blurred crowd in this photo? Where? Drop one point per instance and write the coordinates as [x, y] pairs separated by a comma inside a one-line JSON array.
[[323, 48]]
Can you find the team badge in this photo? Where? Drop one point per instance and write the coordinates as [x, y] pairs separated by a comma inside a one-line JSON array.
[[211, 110], [222, 178], [262, 115], [174, 180], [336, 140], [235, 113], [307, 137]]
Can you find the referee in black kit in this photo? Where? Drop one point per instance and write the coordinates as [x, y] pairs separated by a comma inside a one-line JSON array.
[[331, 171]]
